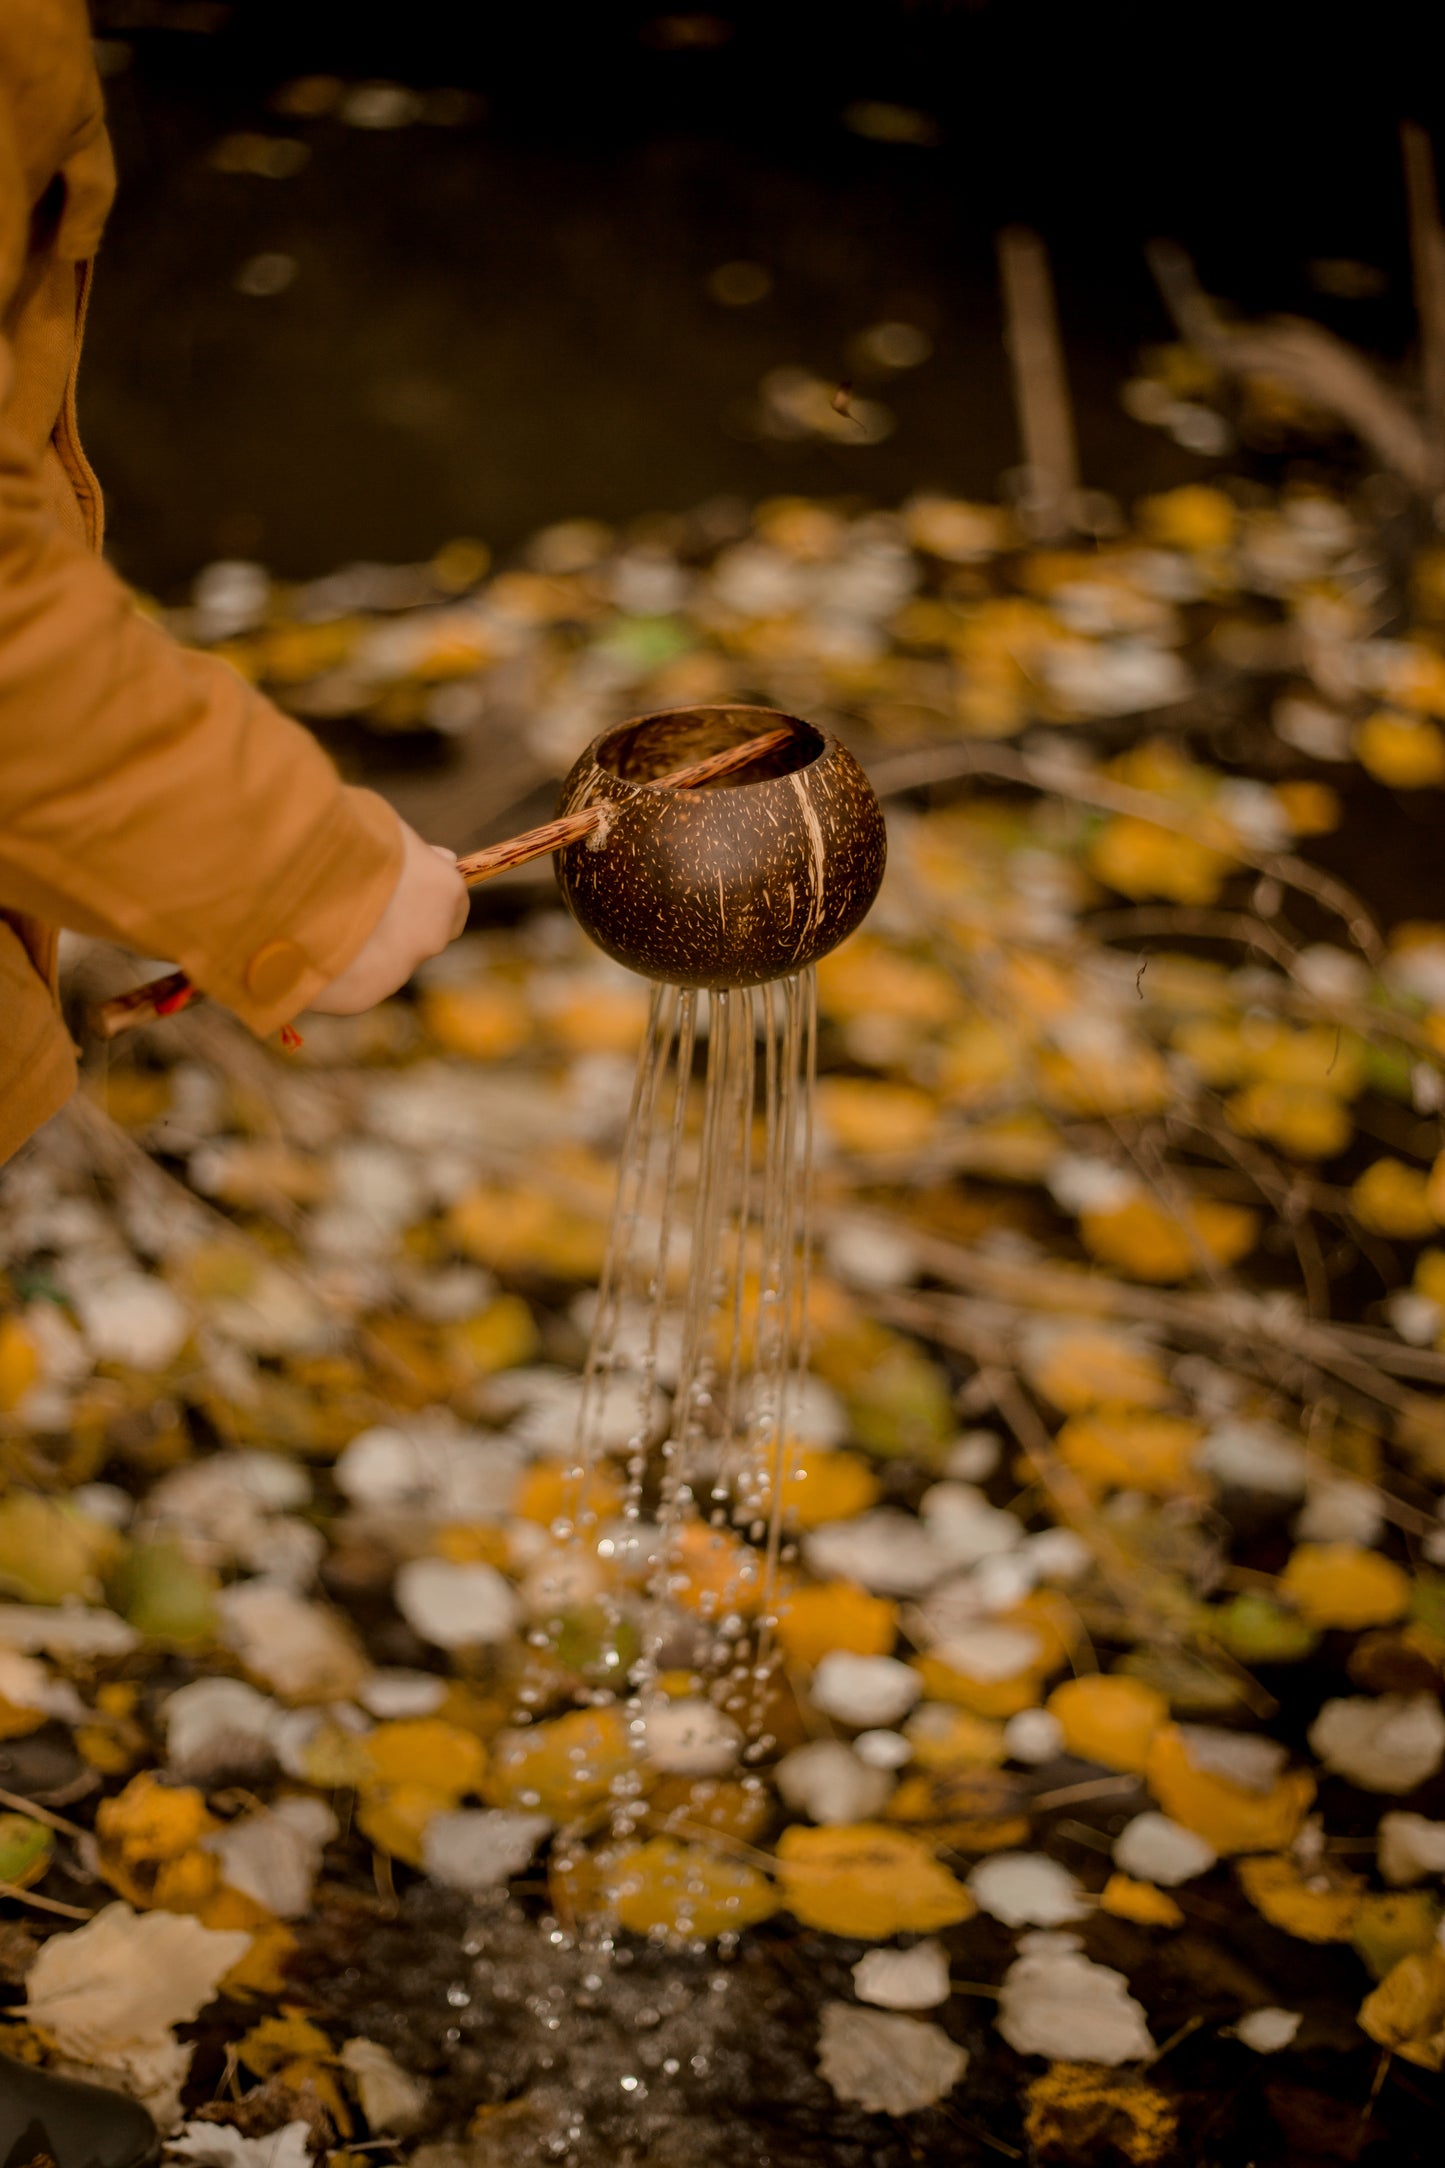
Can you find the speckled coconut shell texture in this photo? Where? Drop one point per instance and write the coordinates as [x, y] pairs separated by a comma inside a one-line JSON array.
[[739, 882]]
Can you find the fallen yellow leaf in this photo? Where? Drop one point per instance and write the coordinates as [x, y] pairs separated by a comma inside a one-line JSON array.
[[561, 1766], [1406, 2012], [681, 1889], [1226, 1815], [1140, 1902], [1109, 1719], [1392, 1199], [836, 1615], [1405, 752], [1342, 1584], [866, 1880], [1148, 1242], [1133, 1449], [425, 1750], [1318, 1907]]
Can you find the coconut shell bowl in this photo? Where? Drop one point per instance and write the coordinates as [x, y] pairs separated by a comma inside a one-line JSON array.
[[743, 880]]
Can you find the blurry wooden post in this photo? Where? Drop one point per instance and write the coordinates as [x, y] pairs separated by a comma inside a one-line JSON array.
[[1041, 384], [1427, 258]]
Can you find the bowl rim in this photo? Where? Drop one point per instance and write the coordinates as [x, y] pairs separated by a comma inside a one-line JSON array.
[[826, 745]]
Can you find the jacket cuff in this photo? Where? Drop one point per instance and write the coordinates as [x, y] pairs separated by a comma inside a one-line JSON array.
[[314, 925]]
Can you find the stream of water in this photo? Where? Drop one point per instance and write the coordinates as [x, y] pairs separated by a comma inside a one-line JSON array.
[[694, 1370]]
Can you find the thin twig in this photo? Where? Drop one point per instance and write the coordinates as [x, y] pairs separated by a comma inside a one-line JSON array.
[[1069, 1795], [1181, 2033], [19, 1804], [1311, 361], [944, 1318], [20, 1896]]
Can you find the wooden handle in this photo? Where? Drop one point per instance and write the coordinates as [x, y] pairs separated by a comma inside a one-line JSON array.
[[169, 995]]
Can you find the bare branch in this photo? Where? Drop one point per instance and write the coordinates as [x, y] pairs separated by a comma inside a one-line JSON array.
[[1311, 361]]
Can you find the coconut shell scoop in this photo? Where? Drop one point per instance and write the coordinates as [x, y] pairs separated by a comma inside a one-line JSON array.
[[756, 874], [669, 871]]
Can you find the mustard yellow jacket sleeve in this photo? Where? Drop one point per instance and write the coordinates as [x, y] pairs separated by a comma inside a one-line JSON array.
[[147, 792]]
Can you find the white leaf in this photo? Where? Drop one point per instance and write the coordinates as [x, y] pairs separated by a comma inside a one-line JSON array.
[[432, 1466], [690, 1738], [215, 2145], [1244, 1758], [391, 2099], [1384, 1743], [973, 1456], [302, 1651], [560, 1578], [827, 1781], [864, 1690], [26, 1684], [887, 1550], [915, 1979], [275, 1856], [1024, 1889], [965, 1526], [1338, 1510], [1269, 2030], [1255, 1456], [392, 1693], [1055, 2002], [216, 1726], [1033, 1735], [869, 1255], [1409, 1847], [1155, 1849], [133, 1319], [990, 1654], [121, 1981], [475, 1848], [455, 1606], [69, 1629], [886, 2064], [882, 1749], [276, 1315]]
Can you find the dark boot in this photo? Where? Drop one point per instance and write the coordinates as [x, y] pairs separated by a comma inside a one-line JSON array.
[[45, 2119]]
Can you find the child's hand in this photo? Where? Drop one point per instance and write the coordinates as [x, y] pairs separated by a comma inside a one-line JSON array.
[[428, 908]]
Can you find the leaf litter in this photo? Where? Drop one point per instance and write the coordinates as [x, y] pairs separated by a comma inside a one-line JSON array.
[[1113, 1524]]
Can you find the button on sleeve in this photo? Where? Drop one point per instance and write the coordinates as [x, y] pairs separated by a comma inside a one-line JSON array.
[[274, 970]]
